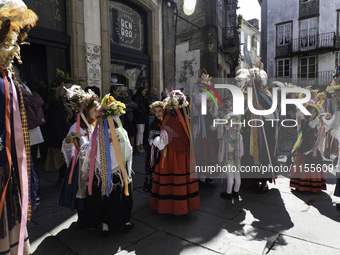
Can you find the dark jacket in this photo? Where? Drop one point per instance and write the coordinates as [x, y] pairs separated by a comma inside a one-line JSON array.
[[130, 106], [140, 113]]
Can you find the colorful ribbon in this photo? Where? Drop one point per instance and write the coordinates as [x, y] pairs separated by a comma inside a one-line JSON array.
[[8, 137], [108, 156], [22, 165], [93, 158], [118, 153], [75, 152]]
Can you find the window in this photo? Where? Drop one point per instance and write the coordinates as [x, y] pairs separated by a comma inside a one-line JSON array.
[[242, 42], [283, 68], [308, 67], [248, 43], [308, 33], [284, 34], [257, 48]]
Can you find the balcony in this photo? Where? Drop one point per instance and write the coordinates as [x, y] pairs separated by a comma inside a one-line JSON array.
[[315, 43], [323, 78], [230, 40], [337, 44]]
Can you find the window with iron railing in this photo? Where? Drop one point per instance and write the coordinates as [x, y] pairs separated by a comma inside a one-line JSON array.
[[308, 33]]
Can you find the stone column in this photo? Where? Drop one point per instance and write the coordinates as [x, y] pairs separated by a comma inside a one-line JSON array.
[[76, 30], [105, 40]]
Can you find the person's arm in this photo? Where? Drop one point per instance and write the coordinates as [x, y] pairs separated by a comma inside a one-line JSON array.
[[161, 141]]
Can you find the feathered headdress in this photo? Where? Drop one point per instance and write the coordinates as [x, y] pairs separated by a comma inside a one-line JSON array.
[[176, 99], [79, 98], [15, 22]]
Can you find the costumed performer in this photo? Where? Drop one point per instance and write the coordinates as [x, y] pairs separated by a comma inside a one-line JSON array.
[[153, 153], [256, 145], [74, 188], [174, 187], [15, 168], [303, 178], [109, 161], [230, 153]]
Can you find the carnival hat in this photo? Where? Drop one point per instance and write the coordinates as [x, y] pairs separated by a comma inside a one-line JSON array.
[[79, 98], [15, 22], [312, 103], [110, 106], [176, 99]]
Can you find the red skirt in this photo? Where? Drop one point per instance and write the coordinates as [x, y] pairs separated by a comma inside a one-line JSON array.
[[303, 179], [173, 189]]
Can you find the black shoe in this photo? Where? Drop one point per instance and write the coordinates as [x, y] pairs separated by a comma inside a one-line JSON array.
[[236, 195], [226, 196], [262, 190], [128, 227]]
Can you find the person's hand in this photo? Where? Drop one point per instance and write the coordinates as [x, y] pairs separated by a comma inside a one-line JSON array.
[[328, 116], [72, 136]]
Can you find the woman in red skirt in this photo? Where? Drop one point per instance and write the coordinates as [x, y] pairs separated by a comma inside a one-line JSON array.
[[174, 188], [307, 174]]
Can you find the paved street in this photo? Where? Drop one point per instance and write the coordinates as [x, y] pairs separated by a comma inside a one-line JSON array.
[[278, 222]]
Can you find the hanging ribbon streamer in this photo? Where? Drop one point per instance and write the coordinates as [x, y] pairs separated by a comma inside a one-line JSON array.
[[75, 152], [108, 156], [102, 151], [121, 129], [22, 165], [118, 153], [93, 158], [26, 140], [8, 137]]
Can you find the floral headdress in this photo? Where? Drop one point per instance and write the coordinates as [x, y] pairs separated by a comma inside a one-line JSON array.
[[156, 104], [110, 106], [311, 103], [15, 21], [79, 99], [176, 99]]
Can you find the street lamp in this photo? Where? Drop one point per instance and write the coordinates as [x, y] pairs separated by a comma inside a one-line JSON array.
[[189, 7]]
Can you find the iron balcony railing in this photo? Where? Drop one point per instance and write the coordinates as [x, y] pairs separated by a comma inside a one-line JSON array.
[[314, 42], [230, 39], [322, 78]]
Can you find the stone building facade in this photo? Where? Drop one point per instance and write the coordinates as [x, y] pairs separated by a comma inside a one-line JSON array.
[[206, 39], [129, 41], [301, 43], [250, 37]]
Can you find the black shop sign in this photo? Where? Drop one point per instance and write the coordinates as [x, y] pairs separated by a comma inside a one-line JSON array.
[[126, 26]]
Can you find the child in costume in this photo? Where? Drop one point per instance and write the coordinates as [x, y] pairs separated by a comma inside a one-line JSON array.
[[74, 188], [230, 153], [174, 187], [303, 178], [108, 165], [153, 153], [15, 157]]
